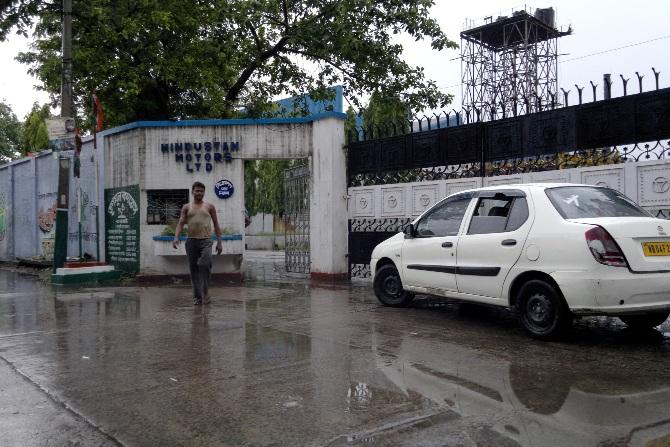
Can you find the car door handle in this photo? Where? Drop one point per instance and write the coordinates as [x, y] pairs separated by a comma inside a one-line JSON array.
[[508, 242], [447, 244]]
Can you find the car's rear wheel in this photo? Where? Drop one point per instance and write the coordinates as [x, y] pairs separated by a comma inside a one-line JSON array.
[[645, 321], [542, 311], [388, 287]]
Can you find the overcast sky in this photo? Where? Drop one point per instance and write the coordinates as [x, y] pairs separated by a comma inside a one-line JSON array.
[[598, 25]]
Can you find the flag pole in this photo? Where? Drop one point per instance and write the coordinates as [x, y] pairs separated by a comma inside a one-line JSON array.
[[81, 254], [77, 175], [97, 126], [97, 198]]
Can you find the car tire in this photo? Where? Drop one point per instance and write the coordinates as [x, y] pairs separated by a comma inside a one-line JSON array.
[[645, 321], [388, 287], [542, 310]]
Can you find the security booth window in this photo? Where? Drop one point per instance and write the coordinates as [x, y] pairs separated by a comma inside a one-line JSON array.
[[164, 205]]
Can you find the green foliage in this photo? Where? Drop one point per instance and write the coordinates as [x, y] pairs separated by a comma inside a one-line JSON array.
[[260, 109], [35, 135], [350, 125], [151, 59], [250, 182], [10, 134], [171, 228], [264, 185], [386, 115]]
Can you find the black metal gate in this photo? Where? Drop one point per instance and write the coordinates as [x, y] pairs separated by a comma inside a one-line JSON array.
[[296, 219], [478, 144], [364, 235]]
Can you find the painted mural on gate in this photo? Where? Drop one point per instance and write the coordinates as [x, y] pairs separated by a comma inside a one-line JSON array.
[[3, 216], [47, 218]]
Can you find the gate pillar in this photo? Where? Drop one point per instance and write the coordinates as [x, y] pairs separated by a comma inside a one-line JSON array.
[[328, 203]]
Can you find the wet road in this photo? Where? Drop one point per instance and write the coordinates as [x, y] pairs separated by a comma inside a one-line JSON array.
[[272, 364]]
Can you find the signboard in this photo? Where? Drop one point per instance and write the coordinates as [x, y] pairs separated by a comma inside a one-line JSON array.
[[60, 127], [122, 228], [224, 189], [201, 157], [61, 133]]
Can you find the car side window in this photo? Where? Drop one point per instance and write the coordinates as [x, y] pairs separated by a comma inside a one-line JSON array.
[[445, 219], [498, 214], [518, 215]]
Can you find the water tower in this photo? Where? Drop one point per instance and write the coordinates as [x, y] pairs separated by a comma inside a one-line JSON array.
[[509, 64]]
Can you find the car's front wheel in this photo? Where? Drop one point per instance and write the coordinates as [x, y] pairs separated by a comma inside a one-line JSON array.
[[645, 321], [542, 311], [388, 287]]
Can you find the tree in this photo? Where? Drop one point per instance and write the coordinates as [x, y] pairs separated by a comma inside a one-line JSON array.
[[386, 115], [350, 127], [160, 59], [35, 135], [10, 134], [264, 185], [250, 186]]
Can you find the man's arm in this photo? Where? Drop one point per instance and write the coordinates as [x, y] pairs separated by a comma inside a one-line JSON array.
[[217, 229], [180, 225]]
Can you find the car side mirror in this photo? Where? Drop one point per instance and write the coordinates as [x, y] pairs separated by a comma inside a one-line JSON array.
[[409, 231]]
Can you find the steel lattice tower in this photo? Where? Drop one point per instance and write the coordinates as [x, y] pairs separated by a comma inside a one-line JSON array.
[[509, 66]]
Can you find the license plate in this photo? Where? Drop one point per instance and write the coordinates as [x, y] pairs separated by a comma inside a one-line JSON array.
[[656, 248]]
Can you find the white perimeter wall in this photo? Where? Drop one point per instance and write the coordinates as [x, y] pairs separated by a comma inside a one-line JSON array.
[[647, 182], [28, 189]]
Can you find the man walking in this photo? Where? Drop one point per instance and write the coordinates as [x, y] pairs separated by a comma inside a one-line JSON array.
[[199, 216]]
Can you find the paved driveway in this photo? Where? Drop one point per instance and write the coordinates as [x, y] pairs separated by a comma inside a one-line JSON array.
[[291, 364]]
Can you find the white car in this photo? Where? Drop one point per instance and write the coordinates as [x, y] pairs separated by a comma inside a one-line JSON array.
[[549, 251]]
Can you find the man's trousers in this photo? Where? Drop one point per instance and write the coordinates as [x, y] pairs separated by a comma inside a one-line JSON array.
[[199, 253]]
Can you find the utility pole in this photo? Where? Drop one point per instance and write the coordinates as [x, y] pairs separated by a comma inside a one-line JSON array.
[[66, 79], [66, 111]]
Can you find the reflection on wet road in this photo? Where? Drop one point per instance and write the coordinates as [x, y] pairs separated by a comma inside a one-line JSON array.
[[289, 364]]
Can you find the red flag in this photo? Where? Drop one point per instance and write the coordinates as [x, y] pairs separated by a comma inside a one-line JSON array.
[[98, 113]]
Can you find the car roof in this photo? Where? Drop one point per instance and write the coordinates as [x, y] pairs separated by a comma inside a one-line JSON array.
[[524, 186]]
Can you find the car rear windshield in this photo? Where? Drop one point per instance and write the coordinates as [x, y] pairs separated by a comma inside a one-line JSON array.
[[577, 202]]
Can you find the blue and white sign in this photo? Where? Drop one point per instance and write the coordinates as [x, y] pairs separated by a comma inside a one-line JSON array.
[[224, 189]]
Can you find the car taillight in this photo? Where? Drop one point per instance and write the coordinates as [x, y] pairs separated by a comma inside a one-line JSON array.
[[604, 248]]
